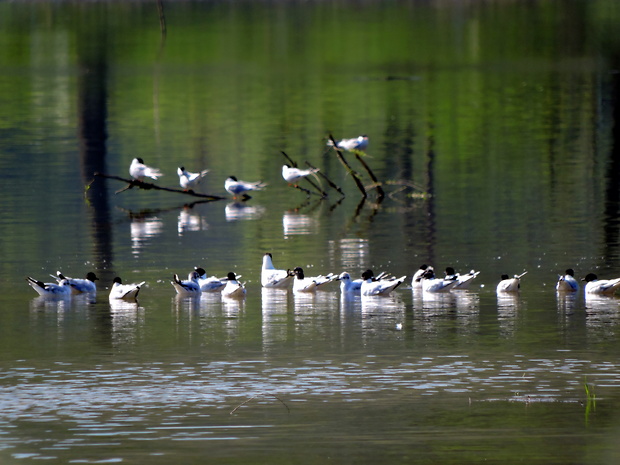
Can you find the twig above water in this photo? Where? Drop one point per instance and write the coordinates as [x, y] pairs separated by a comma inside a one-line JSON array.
[[294, 165], [131, 183], [350, 170]]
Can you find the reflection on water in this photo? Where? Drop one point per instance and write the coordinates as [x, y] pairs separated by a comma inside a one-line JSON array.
[[235, 211], [190, 221], [295, 223], [507, 140], [161, 401], [143, 229], [275, 304], [128, 319], [603, 313], [350, 253], [567, 302]]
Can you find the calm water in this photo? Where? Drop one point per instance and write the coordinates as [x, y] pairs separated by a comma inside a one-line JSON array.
[[491, 128]]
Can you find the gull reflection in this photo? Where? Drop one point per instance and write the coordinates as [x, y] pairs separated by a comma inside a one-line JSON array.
[[566, 302], [58, 303], [275, 315], [235, 211], [299, 224], [381, 313], [187, 302], [432, 301], [50, 311], [602, 312], [232, 306], [468, 310], [508, 304], [127, 317], [353, 253], [189, 221], [304, 301], [143, 229]]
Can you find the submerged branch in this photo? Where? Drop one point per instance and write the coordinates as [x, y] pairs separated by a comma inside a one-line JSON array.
[[329, 181], [377, 184], [254, 397], [131, 183]]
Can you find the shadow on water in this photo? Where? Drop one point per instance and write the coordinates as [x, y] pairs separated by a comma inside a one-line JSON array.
[[612, 193], [92, 117]]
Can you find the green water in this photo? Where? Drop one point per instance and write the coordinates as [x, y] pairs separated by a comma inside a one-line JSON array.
[[492, 130]]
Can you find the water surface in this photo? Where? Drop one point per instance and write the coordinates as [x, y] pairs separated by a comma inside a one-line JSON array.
[[492, 130]]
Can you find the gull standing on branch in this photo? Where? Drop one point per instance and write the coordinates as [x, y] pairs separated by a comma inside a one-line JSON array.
[[292, 174], [236, 187], [139, 170], [357, 143], [189, 180], [124, 291]]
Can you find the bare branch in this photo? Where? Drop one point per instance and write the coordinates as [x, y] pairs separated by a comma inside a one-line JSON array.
[[254, 397], [329, 181], [131, 183], [350, 170]]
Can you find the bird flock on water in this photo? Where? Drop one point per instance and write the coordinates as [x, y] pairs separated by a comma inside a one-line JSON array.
[[198, 282], [368, 284]]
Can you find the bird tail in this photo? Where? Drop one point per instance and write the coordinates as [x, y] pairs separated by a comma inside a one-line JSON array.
[[34, 282], [154, 173]]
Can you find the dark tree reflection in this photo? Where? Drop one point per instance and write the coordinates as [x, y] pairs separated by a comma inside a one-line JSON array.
[[92, 116]]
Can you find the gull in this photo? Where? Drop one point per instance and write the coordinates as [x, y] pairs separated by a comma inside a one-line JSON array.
[[347, 284], [124, 291], [430, 283], [233, 287], [303, 284], [371, 286], [79, 285], [567, 283], [292, 174], [209, 283], [601, 286], [189, 286], [416, 281], [236, 187], [508, 284], [357, 143], [190, 180], [139, 170], [50, 289], [463, 280], [272, 277], [355, 285]]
